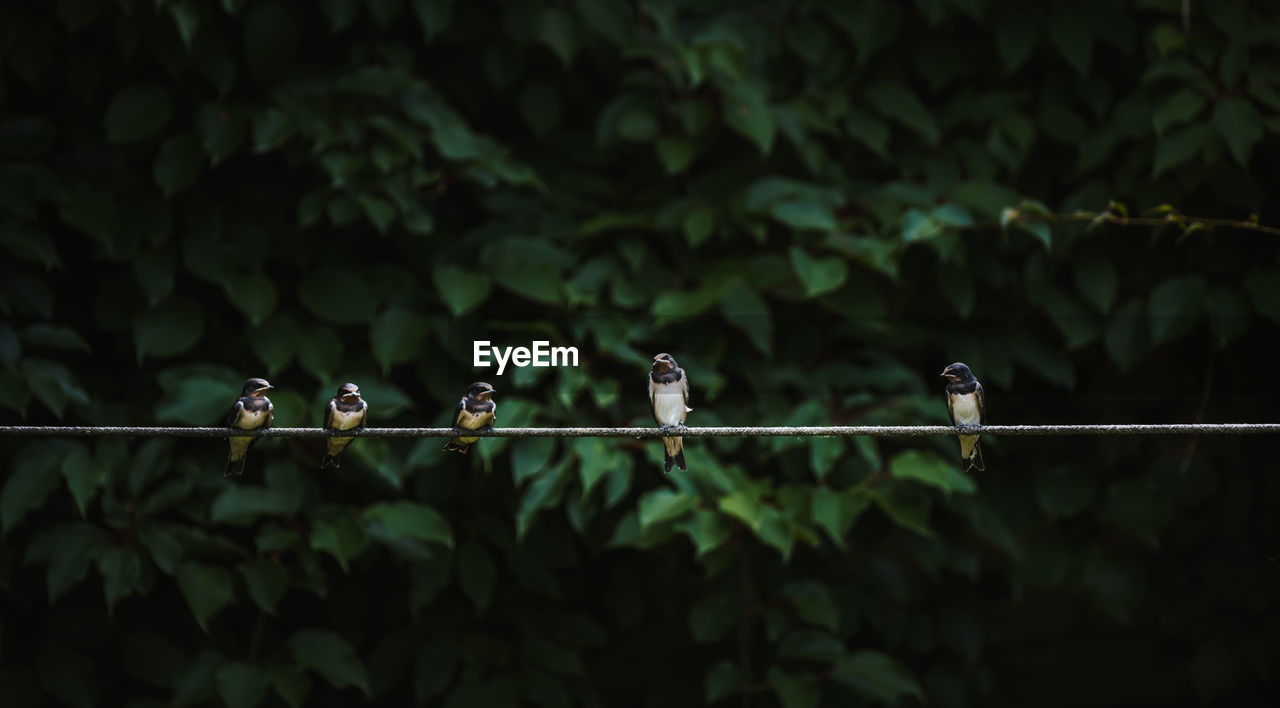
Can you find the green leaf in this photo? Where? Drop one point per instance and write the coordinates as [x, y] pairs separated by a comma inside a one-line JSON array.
[[1037, 228], [724, 680], [29, 243], [291, 683], [1241, 125], [698, 224], [744, 507], [254, 295], [1097, 280], [530, 457], [52, 384], [32, 478], [907, 509], [1181, 107], [460, 289], [1178, 147], [837, 511], [69, 549], [136, 112], [84, 477], [818, 275], [170, 329], [746, 111], [877, 676], [379, 211], [207, 589], [813, 603], [662, 505], [1175, 307], [223, 129], [121, 569], [178, 163], [675, 153], [266, 581], [706, 529], [896, 102], [928, 468], [274, 342], [241, 685], [794, 690], [869, 130], [476, 574], [343, 538], [1263, 285], [394, 522], [338, 295], [823, 454], [1071, 32], [197, 399], [397, 336], [530, 268], [747, 311], [804, 215], [328, 654]]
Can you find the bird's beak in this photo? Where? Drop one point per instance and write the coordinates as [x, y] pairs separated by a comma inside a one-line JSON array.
[[268, 387], [945, 373]]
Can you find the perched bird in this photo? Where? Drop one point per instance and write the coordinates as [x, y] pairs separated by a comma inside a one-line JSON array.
[[967, 406], [346, 411], [669, 399], [475, 410], [252, 410]]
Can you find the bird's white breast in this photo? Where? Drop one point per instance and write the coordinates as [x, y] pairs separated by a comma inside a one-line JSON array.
[[248, 420], [345, 421], [965, 409], [668, 404]]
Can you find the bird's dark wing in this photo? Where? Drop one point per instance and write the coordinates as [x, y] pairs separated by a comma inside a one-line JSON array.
[[684, 386], [364, 414], [493, 416], [271, 415], [462, 403], [982, 406], [950, 413], [328, 413], [235, 413]]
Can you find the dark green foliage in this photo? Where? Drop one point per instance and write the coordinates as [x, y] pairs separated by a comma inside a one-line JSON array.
[[813, 206]]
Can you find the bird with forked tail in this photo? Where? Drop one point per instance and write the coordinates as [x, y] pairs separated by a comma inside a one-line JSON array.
[[967, 407], [252, 410], [669, 402], [347, 411], [475, 410]]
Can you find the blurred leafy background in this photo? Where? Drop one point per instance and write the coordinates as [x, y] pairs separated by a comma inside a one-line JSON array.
[[800, 200]]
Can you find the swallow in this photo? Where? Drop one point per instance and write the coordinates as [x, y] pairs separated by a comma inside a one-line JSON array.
[[346, 411], [967, 406], [475, 410], [253, 410], [669, 401]]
